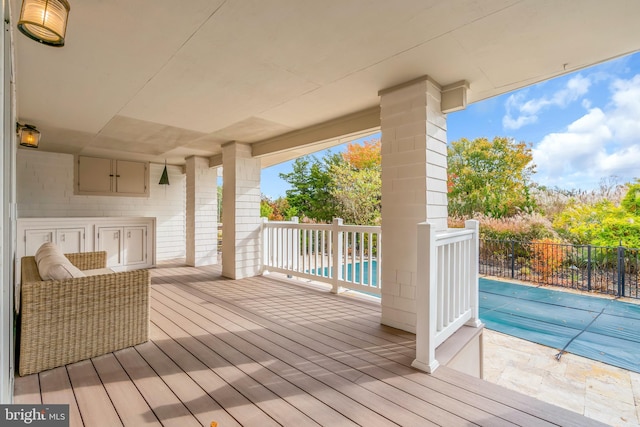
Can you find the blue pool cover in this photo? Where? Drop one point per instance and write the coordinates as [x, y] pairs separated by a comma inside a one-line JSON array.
[[601, 329]]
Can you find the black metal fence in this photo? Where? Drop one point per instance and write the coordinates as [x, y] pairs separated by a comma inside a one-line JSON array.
[[607, 270]]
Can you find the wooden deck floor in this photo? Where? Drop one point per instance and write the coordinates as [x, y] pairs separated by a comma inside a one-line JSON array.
[[264, 352]]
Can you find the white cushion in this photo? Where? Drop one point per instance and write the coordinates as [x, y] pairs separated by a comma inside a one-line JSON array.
[[46, 249], [53, 265]]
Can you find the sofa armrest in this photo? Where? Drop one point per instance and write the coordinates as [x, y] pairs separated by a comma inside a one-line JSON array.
[[88, 260], [65, 321]]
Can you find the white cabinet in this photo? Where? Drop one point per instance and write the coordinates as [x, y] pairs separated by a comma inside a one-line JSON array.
[[125, 246], [128, 241], [111, 177], [70, 240]]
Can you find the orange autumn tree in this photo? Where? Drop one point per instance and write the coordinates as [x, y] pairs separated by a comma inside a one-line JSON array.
[[365, 156]]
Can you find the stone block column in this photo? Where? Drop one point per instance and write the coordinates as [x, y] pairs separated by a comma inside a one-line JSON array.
[[240, 212], [202, 212], [414, 189]]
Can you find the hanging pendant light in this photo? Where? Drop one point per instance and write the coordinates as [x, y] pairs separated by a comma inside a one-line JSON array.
[[164, 179], [44, 21]]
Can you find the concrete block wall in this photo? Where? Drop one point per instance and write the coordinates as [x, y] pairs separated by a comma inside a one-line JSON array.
[[414, 189], [241, 213], [202, 212], [45, 189]]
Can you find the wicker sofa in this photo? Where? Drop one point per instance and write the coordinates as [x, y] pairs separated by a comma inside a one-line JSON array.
[[65, 321]]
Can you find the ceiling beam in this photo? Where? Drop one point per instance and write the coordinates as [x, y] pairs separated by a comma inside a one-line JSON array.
[[362, 122]]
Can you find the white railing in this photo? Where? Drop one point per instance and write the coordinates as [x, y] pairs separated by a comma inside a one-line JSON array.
[[447, 287], [345, 256]]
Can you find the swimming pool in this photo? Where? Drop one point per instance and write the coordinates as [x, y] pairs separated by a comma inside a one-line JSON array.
[[601, 329], [348, 271]]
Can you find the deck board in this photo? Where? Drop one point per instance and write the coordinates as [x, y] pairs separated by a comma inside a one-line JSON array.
[[93, 400], [263, 351], [132, 409], [55, 388], [27, 390]]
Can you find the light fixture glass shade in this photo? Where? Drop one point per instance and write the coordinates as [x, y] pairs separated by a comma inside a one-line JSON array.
[[44, 21], [28, 136]]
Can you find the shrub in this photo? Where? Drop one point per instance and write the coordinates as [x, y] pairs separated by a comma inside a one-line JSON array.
[[547, 257], [523, 227]]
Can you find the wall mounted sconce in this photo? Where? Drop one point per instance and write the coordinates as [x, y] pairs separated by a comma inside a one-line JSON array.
[[164, 179], [44, 21], [28, 135]]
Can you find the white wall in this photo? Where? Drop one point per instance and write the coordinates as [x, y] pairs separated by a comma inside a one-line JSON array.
[[45, 189]]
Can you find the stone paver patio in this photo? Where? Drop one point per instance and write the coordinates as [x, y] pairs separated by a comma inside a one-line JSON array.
[[597, 390]]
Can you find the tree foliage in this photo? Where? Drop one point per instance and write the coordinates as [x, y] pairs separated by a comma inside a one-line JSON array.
[[365, 156], [631, 201], [357, 193], [276, 210], [357, 183], [346, 185], [603, 223], [311, 184], [490, 177]]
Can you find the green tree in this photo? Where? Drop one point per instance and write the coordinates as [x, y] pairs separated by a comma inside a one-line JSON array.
[[276, 210], [490, 177], [311, 183], [266, 210], [357, 193], [631, 201]]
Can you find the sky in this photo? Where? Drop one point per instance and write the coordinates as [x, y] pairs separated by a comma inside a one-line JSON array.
[[582, 127]]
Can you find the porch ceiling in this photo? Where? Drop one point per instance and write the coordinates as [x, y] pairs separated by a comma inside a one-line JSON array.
[[154, 80]]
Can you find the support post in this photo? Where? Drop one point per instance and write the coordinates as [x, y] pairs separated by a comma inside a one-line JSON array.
[[337, 266], [295, 247], [264, 261], [620, 270], [589, 267], [426, 299], [473, 273]]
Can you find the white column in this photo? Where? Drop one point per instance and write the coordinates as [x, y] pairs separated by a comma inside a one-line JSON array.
[[414, 189], [202, 212], [240, 212]]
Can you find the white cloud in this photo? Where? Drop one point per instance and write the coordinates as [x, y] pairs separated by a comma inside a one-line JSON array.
[[601, 143], [526, 112]]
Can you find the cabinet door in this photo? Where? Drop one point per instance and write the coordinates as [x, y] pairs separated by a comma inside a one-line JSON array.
[[70, 240], [94, 175], [33, 239], [110, 239], [131, 177], [135, 245]]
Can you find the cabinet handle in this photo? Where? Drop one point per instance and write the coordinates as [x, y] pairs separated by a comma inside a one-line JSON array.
[[129, 234]]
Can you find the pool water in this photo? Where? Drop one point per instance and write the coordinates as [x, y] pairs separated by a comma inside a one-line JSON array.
[[348, 272]]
